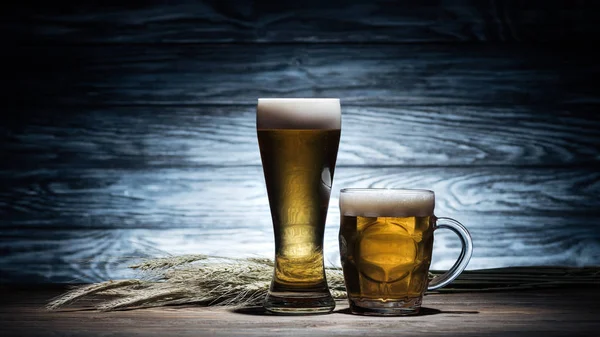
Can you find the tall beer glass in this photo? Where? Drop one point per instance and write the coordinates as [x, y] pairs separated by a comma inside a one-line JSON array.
[[298, 140], [386, 240]]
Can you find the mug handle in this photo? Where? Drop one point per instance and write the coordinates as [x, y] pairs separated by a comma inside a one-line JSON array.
[[463, 259]]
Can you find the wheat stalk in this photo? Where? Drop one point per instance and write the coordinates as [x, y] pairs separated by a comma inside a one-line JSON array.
[[211, 280]]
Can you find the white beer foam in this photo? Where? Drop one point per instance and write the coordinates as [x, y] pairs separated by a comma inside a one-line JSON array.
[[387, 202], [298, 113]]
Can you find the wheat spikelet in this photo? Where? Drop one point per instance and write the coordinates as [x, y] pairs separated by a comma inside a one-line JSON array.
[[87, 290], [168, 262], [211, 280]]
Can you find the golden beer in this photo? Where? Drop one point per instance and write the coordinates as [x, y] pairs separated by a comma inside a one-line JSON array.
[[298, 167], [386, 241], [298, 148], [386, 258]]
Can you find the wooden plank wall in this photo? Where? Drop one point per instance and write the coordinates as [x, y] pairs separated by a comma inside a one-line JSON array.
[[129, 128]]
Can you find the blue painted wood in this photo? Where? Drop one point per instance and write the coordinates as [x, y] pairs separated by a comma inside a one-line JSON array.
[[91, 255], [156, 137], [235, 197], [301, 21], [128, 129], [86, 225], [367, 75]]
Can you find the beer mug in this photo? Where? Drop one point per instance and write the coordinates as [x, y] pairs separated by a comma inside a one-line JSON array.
[[386, 240], [298, 140]]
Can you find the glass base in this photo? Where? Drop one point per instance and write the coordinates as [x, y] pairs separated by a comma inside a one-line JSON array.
[[369, 307], [299, 304]]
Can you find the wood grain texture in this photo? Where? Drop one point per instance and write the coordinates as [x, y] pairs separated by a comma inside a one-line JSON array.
[[306, 21], [135, 123], [186, 137], [233, 197], [513, 278], [72, 225], [82, 255], [370, 75], [571, 311]]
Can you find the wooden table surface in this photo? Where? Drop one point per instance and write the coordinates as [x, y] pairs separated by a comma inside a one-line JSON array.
[[572, 311]]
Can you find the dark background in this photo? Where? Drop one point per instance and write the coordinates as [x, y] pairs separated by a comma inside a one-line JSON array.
[[128, 127]]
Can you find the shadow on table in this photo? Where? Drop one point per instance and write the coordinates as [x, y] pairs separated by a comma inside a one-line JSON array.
[[260, 311], [423, 312]]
